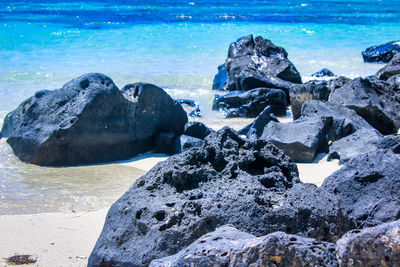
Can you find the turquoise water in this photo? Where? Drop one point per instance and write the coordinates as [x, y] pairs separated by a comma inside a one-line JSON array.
[[174, 44]]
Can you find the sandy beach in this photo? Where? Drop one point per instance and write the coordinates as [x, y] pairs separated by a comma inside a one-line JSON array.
[[67, 239]]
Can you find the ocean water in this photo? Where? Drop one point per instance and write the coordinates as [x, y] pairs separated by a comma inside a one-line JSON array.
[[174, 44]]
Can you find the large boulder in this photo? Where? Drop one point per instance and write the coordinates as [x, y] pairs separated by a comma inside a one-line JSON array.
[[311, 90], [90, 120], [228, 246], [255, 129], [391, 69], [251, 103], [372, 99], [381, 53], [300, 139], [375, 246], [360, 142], [345, 121], [256, 56], [250, 184], [368, 188]]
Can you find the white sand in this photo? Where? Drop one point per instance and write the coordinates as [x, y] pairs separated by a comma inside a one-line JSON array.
[[57, 239], [67, 239], [318, 170]]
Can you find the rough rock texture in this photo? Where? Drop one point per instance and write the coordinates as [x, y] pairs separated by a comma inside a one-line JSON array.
[[381, 53], [186, 142], [373, 100], [228, 246], [220, 78], [391, 142], [323, 73], [197, 129], [255, 129], [250, 104], [89, 120], [360, 142], [300, 139], [312, 90], [375, 246], [345, 120], [368, 188], [391, 69], [257, 56], [249, 184]]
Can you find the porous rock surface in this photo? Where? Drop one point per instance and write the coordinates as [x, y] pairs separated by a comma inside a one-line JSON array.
[[249, 184], [90, 120], [375, 246], [368, 188], [227, 246]]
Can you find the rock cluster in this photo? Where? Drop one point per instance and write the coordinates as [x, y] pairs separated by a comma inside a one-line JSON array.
[[381, 53]]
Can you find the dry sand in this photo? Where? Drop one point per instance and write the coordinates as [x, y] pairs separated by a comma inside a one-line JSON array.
[[66, 239]]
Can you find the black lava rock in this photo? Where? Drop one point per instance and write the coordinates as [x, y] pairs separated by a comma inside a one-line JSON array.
[[228, 246], [311, 90], [368, 188], [220, 78], [191, 107], [197, 129], [300, 139], [345, 121], [375, 246], [255, 129], [362, 141], [381, 53], [374, 100], [249, 184], [323, 73], [251, 103], [391, 69], [257, 56], [186, 142], [89, 120]]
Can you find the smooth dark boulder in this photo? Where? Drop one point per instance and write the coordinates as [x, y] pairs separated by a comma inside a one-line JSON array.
[[375, 246], [260, 56], [311, 90], [368, 188], [251, 103], [227, 246], [345, 121], [323, 73], [381, 53], [373, 100], [250, 79], [360, 142], [89, 120], [391, 69], [197, 129], [191, 107], [255, 129], [300, 139], [250, 184], [220, 78]]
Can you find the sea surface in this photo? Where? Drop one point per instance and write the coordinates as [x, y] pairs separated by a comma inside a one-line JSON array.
[[174, 44]]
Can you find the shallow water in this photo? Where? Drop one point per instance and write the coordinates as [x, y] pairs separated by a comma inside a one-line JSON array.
[[174, 44]]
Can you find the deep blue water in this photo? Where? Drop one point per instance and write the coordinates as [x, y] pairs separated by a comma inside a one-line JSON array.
[[174, 44]]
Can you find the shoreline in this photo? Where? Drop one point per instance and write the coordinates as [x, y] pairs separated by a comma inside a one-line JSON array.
[[67, 238]]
